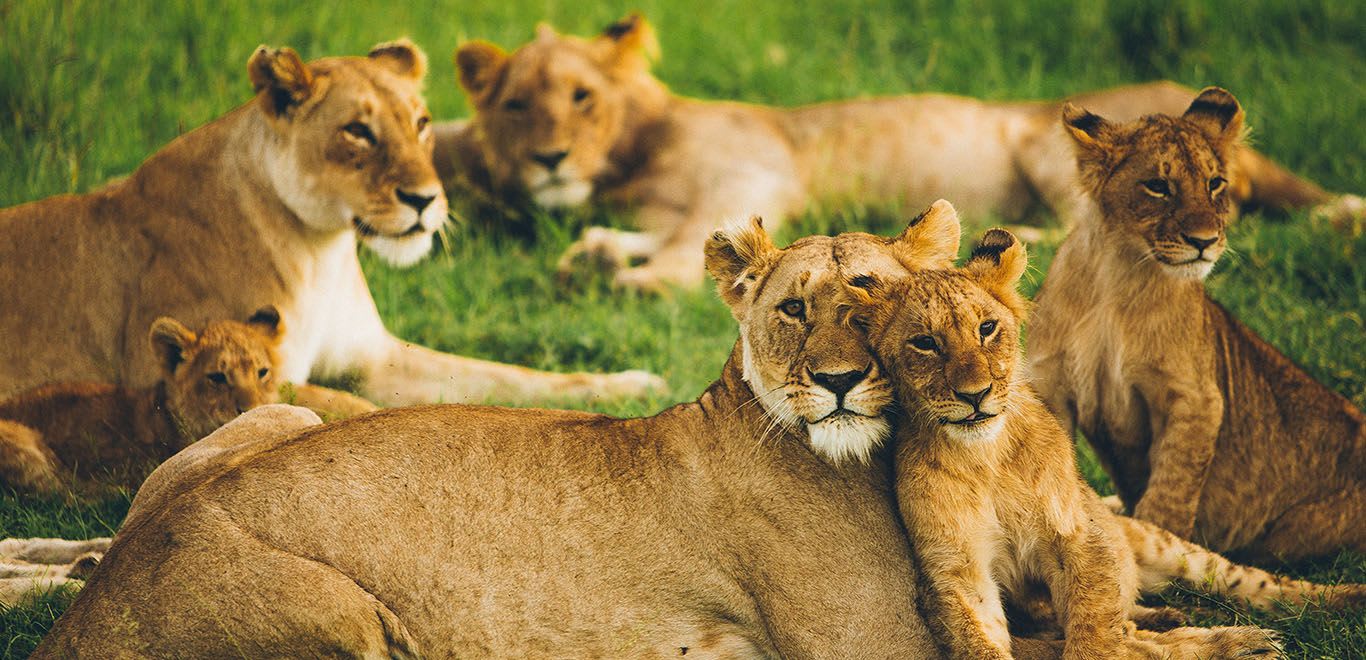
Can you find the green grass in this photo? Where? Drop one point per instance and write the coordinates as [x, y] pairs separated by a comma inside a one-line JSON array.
[[88, 89]]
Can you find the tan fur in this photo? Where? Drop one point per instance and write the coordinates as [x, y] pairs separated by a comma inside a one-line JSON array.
[[988, 484], [1205, 428], [109, 434], [681, 163], [263, 205]]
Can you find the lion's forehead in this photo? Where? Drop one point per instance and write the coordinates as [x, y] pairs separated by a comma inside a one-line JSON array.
[[538, 67]]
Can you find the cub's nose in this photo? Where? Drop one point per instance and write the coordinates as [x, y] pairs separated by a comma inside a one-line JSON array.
[[418, 202], [551, 159], [839, 383], [1199, 242], [973, 399]]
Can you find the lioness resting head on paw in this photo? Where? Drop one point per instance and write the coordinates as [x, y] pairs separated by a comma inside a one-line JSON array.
[[262, 206], [980, 460], [1205, 429], [565, 120]]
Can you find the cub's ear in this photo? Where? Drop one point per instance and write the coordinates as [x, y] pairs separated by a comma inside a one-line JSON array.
[[997, 263], [931, 239], [1094, 136], [545, 32], [1218, 114], [862, 300], [267, 320], [403, 57], [171, 341], [630, 41], [737, 256], [281, 79], [480, 65]]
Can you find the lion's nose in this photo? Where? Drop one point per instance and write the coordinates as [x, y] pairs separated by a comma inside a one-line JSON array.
[[839, 383], [550, 159], [973, 399], [1199, 243], [418, 202]]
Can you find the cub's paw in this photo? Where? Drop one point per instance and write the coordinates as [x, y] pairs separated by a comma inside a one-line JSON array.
[[1226, 642], [1159, 618], [1347, 213]]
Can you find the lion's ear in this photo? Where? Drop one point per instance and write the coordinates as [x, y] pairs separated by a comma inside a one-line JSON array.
[[861, 300], [931, 239], [997, 263], [630, 41], [1094, 137], [1218, 114], [403, 57], [171, 340], [267, 320], [736, 255], [281, 78], [480, 64]]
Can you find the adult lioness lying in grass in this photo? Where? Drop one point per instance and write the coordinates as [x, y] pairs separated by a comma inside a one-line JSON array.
[[1205, 428], [565, 120], [262, 206], [988, 483], [719, 528]]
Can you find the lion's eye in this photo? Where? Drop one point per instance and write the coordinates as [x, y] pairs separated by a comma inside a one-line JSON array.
[[793, 307], [581, 95], [925, 343], [359, 131], [422, 123], [514, 105], [218, 378], [1157, 188], [986, 328], [263, 372], [1216, 185]]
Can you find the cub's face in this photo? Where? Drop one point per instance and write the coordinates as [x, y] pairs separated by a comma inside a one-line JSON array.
[[808, 369], [1162, 183], [549, 114], [353, 145], [949, 339], [213, 376]]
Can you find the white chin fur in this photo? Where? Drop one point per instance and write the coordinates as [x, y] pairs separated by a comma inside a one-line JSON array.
[[563, 195], [847, 437], [401, 252], [980, 433], [1196, 270]]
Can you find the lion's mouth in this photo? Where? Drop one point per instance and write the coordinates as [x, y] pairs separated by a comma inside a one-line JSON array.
[[975, 418], [839, 413], [368, 231]]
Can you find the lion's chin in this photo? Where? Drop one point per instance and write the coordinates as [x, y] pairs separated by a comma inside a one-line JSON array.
[[848, 437], [981, 432], [402, 251], [1190, 270], [564, 194]]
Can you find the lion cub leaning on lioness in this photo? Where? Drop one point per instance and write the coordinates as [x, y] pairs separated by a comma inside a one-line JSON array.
[[988, 483], [112, 434]]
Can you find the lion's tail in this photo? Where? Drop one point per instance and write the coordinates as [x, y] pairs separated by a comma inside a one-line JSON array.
[[1164, 557]]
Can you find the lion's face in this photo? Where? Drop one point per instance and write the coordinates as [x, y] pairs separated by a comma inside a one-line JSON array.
[[949, 339], [549, 114], [1162, 182], [809, 370], [351, 145], [213, 376]]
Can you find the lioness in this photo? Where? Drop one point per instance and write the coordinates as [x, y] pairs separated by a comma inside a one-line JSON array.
[[988, 482], [1205, 429], [260, 206], [714, 529], [564, 120]]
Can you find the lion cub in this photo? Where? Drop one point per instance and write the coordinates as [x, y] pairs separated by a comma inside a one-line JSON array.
[[107, 433], [1205, 429]]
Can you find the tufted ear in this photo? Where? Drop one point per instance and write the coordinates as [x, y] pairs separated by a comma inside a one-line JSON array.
[[171, 341], [737, 256], [479, 64], [629, 42], [281, 79], [267, 320], [865, 301], [1094, 136], [401, 56], [997, 263], [931, 239], [1218, 114]]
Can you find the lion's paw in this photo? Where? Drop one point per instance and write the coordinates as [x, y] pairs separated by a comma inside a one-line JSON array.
[[1345, 212], [1226, 642]]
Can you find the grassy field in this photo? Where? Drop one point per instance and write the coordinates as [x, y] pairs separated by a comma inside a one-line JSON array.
[[89, 89]]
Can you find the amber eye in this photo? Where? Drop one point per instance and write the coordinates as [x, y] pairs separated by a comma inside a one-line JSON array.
[[218, 378], [263, 372], [581, 95], [1157, 187], [986, 328], [793, 307], [1216, 185], [925, 343], [359, 131], [514, 105], [422, 123]]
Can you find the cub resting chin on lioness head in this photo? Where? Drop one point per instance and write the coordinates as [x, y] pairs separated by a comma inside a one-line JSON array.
[[261, 206], [732, 526], [563, 121], [988, 484]]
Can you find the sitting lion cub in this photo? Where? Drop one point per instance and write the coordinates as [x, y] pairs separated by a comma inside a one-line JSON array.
[[987, 480], [1206, 429], [111, 433]]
